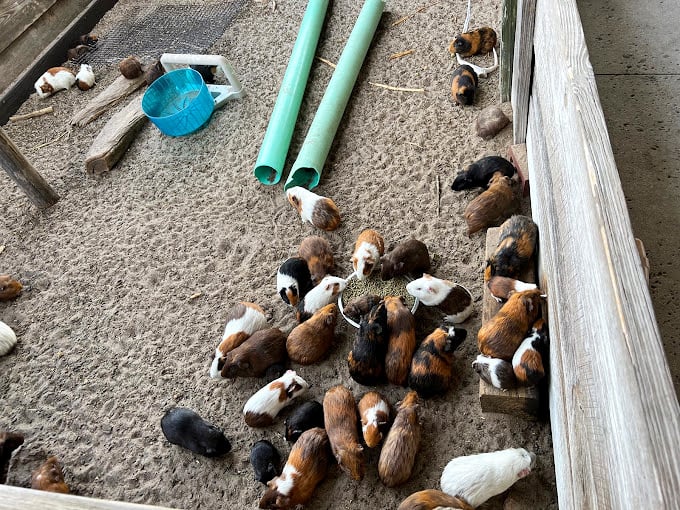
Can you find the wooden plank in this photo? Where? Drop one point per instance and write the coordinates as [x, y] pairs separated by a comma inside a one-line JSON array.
[[521, 69], [114, 139], [24, 175], [517, 154], [17, 16], [110, 96], [508, 20], [615, 417]]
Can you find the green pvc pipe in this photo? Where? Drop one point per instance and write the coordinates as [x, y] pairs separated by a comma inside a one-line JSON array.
[[307, 168], [272, 156]]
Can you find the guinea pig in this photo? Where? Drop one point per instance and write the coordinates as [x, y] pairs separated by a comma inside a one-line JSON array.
[[496, 372], [501, 335], [54, 80], [266, 461], [432, 366], [516, 245], [368, 249], [492, 206], [242, 321], [293, 280], [304, 417], [305, 468], [77, 52], [261, 409], [319, 257], [452, 299], [464, 85], [475, 42], [153, 71], [184, 427], [477, 478], [501, 287], [49, 477], [323, 294], [310, 341], [409, 257], [88, 39], [317, 210], [375, 412], [527, 362], [9, 441], [431, 499], [207, 72], [398, 454], [366, 360], [340, 417], [8, 339], [85, 78], [479, 173], [9, 288], [401, 326], [264, 348], [360, 306]]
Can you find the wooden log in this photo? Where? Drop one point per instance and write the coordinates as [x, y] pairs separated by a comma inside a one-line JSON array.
[[523, 402], [517, 154], [615, 418], [111, 95], [24, 175], [508, 20], [36, 113], [521, 68], [114, 139]]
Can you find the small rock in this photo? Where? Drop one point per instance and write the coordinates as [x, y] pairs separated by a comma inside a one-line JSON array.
[[490, 122]]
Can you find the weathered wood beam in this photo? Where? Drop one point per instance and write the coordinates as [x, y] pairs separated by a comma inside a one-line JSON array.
[[521, 69], [508, 19], [110, 96]]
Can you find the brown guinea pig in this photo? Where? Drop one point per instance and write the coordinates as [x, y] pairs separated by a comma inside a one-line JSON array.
[[317, 210], [49, 477], [501, 335], [264, 348], [492, 206], [375, 412], [402, 340], [464, 85], [475, 42], [368, 249], [9, 288], [360, 306], [409, 257], [516, 246], [340, 418], [432, 499], [309, 341], [527, 362], [319, 256], [398, 454], [501, 287], [130, 67], [366, 360]]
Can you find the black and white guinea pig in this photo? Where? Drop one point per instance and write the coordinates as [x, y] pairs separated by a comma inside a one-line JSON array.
[[495, 371], [293, 280], [184, 427], [266, 461]]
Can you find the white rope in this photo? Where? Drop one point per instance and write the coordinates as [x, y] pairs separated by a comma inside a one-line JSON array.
[[482, 72], [466, 25]]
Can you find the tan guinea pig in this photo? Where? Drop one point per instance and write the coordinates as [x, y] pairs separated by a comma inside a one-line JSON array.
[[49, 477], [398, 454], [340, 418], [431, 499], [402, 340], [493, 206], [310, 341], [319, 256]]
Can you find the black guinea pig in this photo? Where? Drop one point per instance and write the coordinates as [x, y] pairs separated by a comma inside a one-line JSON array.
[[479, 173], [304, 417], [293, 280], [206, 72], [186, 428], [464, 85], [266, 461]]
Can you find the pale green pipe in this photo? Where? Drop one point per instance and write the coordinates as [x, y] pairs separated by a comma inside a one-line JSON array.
[[309, 163], [272, 156]]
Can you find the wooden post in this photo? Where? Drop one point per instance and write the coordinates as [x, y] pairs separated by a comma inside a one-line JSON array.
[[521, 69], [24, 175], [508, 20]]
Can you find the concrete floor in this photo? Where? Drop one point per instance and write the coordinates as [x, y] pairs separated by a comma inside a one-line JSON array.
[[635, 52]]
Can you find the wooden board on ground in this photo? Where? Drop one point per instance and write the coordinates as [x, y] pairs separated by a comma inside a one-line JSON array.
[[523, 402], [114, 139], [119, 89]]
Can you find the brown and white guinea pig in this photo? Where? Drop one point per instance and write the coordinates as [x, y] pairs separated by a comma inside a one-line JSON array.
[[319, 257], [516, 246], [49, 477], [184, 427], [409, 257], [401, 326], [368, 249], [340, 417], [366, 360], [310, 341], [431, 499], [304, 417], [398, 453], [375, 412], [9, 287], [492, 206], [88, 39], [527, 362], [477, 478], [305, 468], [500, 336], [293, 280], [475, 42], [316, 209], [54, 80], [242, 321], [325, 293], [360, 306], [432, 365], [496, 372], [479, 173], [9, 441], [261, 350], [261, 409], [452, 299], [266, 461], [501, 287], [464, 85], [85, 79]]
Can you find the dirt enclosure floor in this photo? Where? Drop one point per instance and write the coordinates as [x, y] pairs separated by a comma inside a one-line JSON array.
[[130, 275]]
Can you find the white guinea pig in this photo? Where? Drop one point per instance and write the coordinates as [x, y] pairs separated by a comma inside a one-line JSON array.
[[321, 295], [85, 77], [53, 80], [477, 478], [262, 408]]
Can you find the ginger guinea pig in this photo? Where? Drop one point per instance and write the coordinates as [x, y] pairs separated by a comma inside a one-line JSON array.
[[452, 299], [316, 209], [516, 246], [409, 257], [368, 249], [360, 306], [304, 417], [293, 280], [375, 412], [432, 499], [264, 348], [9, 288], [398, 454], [49, 477], [325, 293], [492, 206], [464, 85], [527, 362], [479, 173], [184, 427], [266, 461], [501, 287], [319, 257], [496, 372], [261, 409], [401, 345], [53, 80], [310, 341], [366, 360], [475, 42], [340, 418]]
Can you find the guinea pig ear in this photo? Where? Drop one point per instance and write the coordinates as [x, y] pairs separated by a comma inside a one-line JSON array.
[[528, 303], [400, 266]]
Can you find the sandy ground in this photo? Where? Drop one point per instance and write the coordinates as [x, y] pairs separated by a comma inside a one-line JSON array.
[[109, 334]]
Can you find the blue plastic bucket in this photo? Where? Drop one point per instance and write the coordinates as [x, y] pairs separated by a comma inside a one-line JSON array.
[[178, 102]]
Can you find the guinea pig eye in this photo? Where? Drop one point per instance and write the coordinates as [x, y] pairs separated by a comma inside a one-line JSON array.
[[367, 269]]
